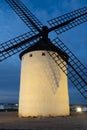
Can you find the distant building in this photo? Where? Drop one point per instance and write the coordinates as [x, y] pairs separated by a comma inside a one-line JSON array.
[[73, 108], [1, 107], [8, 107]]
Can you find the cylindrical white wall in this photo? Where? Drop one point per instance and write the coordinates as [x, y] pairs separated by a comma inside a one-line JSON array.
[[43, 86]]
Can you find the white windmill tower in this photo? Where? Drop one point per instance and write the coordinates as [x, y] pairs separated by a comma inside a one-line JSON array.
[[43, 84], [43, 88]]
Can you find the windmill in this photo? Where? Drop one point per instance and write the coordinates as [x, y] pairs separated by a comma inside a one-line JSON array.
[[46, 63]]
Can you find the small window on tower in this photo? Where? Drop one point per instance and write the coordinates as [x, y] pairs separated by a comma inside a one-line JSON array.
[[43, 54], [30, 55]]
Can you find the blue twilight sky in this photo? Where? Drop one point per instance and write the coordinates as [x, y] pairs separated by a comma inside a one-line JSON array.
[[11, 26]]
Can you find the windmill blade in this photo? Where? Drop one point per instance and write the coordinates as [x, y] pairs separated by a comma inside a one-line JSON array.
[[17, 44], [69, 20], [29, 19], [76, 71]]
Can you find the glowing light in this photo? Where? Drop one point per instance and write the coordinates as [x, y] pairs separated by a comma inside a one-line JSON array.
[[79, 109]]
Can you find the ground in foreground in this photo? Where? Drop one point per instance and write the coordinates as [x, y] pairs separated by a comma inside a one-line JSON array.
[[10, 121]]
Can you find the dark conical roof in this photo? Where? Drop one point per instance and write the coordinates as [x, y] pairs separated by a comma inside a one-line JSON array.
[[42, 45]]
